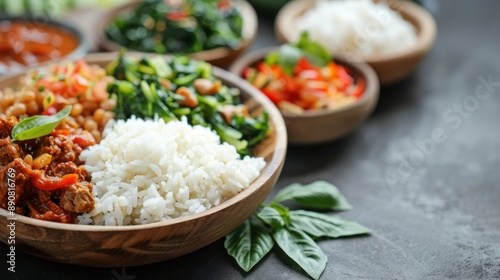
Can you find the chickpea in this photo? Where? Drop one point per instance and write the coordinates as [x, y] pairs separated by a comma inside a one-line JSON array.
[[97, 135], [190, 99], [98, 115], [16, 110], [107, 116], [108, 104], [90, 106], [90, 125], [27, 96], [32, 107], [80, 120], [7, 100], [76, 110]]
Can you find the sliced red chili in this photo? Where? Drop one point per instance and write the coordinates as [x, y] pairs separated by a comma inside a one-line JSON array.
[[48, 183]]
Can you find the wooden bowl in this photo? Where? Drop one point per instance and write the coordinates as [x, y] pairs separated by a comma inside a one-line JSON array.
[[115, 246], [221, 57], [320, 126], [390, 68], [82, 48]]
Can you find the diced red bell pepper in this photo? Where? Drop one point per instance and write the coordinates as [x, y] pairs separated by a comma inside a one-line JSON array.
[[48, 183]]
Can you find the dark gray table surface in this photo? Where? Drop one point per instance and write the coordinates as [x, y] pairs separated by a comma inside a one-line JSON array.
[[438, 217]]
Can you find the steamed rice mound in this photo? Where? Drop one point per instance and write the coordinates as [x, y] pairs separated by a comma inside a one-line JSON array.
[[145, 171]]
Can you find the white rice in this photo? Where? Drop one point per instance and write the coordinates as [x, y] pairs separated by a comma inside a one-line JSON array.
[[148, 171], [353, 27]]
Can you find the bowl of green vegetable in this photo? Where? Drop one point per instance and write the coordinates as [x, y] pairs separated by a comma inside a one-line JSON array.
[[321, 99], [216, 31]]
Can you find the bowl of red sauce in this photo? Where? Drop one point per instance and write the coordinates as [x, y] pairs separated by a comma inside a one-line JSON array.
[[28, 41]]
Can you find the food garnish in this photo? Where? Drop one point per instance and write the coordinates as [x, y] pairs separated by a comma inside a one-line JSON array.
[[294, 231], [37, 126]]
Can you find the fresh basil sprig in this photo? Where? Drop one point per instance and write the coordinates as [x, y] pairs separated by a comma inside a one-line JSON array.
[[37, 126], [289, 54], [294, 231]]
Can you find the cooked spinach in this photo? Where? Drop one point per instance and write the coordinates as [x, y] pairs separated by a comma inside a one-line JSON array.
[[193, 26], [150, 87]]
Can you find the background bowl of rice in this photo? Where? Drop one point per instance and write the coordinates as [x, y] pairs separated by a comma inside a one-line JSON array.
[[391, 67], [114, 246]]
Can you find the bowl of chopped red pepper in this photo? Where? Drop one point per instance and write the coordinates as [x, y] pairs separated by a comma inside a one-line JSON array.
[[320, 99]]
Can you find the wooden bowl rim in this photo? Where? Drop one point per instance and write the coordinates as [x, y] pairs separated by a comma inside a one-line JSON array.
[[278, 158], [426, 34], [372, 85], [249, 31]]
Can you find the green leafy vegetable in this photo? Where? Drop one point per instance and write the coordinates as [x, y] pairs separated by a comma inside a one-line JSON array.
[[293, 230], [146, 88], [301, 248], [319, 195], [248, 244], [37, 126], [155, 26]]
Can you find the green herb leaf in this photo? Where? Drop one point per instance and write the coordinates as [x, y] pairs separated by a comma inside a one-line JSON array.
[[272, 217], [314, 51], [37, 126], [319, 195], [301, 248], [323, 225], [289, 56], [248, 244]]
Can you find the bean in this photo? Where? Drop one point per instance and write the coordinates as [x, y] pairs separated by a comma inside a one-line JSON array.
[[7, 100], [90, 125], [190, 99], [16, 110], [107, 116], [97, 135], [90, 106], [98, 115], [27, 96], [108, 104], [76, 110], [32, 107]]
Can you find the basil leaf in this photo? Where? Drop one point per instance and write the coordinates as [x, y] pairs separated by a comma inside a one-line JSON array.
[[37, 126], [314, 51], [319, 195], [323, 225], [248, 244], [301, 248], [272, 217], [289, 56]]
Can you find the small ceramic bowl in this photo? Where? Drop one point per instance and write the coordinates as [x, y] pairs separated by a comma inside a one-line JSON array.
[[390, 68], [117, 246], [82, 42], [324, 125], [221, 57]]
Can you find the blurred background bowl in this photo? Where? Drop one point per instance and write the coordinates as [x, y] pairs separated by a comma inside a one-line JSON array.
[[82, 43], [221, 57], [323, 125], [390, 68], [117, 246]]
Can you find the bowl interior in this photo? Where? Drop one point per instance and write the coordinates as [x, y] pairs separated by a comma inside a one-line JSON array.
[[324, 125], [421, 20], [221, 57], [143, 244], [82, 48]]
